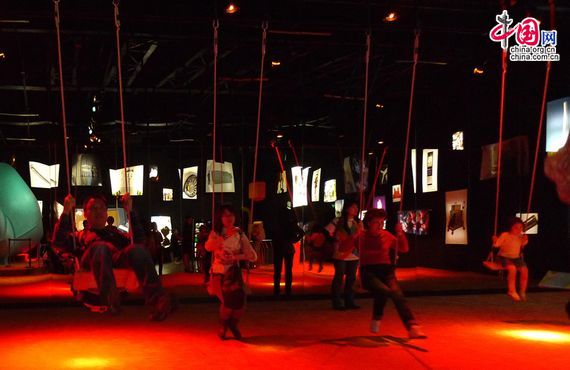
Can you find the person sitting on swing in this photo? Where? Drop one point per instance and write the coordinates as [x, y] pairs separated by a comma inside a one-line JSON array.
[[510, 245], [105, 249]]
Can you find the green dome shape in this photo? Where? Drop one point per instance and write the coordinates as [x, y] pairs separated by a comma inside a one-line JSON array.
[[20, 216]]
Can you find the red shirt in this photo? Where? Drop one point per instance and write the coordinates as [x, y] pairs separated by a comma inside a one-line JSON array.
[[375, 249]]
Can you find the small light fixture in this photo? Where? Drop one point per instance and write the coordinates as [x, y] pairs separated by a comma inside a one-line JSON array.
[[2, 55], [279, 136], [232, 8], [379, 105], [94, 109], [380, 142], [275, 63], [370, 153], [478, 71], [390, 17]]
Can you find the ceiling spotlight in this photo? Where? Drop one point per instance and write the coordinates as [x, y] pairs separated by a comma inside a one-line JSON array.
[[370, 153], [380, 142], [478, 71], [379, 106], [232, 8], [275, 63], [2, 55], [391, 16], [279, 136]]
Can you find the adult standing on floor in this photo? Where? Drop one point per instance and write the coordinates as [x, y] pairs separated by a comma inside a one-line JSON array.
[[229, 246], [345, 256], [285, 233]]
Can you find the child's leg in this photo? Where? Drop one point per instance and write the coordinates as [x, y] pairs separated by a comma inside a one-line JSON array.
[[523, 282], [511, 278]]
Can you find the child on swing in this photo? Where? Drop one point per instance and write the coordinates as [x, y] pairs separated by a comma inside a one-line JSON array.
[[510, 245]]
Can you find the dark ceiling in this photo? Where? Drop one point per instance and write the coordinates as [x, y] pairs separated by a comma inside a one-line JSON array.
[[167, 53]]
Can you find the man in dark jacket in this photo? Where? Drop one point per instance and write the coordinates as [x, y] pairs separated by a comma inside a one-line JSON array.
[[285, 233], [107, 248]]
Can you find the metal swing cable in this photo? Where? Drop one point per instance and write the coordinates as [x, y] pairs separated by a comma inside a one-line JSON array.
[[408, 130], [259, 100], [121, 107]]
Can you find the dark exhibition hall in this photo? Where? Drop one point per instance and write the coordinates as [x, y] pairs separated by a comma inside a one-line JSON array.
[[267, 184]]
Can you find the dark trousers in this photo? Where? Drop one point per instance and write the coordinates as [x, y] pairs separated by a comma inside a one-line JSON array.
[[100, 258], [342, 268], [278, 259], [381, 281]]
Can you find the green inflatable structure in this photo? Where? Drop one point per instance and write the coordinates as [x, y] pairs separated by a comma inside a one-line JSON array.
[[20, 216]]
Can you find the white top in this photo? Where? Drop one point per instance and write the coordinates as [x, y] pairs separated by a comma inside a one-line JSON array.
[[510, 245], [227, 250]]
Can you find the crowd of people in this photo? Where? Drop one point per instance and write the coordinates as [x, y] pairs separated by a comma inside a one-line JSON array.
[[221, 249]]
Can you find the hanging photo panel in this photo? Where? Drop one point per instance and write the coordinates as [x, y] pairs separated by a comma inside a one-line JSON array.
[[300, 178], [221, 176], [316, 186], [164, 226], [43, 176], [384, 174], [330, 191], [352, 175], [135, 179], [530, 222], [457, 141], [456, 217], [557, 124], [338, 206], [167, 195], [379, 202], [413, 161], [396, 193], [415, 222], [282, 183], [190, 183], [153, 173], [515, 158], [86, 171], [429, 170]]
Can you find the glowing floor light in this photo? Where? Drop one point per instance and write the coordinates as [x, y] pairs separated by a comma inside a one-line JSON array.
[[538, 335], [87, 362]]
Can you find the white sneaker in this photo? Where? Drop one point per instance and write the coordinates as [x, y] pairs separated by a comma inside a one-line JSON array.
[[374, 326], [415, 332]]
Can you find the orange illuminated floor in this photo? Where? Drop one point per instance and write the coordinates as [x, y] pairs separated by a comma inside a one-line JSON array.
[[416, 281], [465, 332]]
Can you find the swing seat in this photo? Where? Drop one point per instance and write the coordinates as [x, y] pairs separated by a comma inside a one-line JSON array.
[[493, 265], [85, 281]]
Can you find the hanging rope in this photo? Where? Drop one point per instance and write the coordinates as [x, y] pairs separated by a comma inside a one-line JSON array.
[[121, 108], [63, 117], [538, 137], [263, 51], [552, 8], [410, 110], [362, 163], [62, 94], [215, 25], [500, 155]]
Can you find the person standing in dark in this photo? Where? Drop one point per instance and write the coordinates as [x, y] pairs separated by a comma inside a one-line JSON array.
[[285, 233], [188, 245], [175, 246], [155, 246], [110, 222]]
